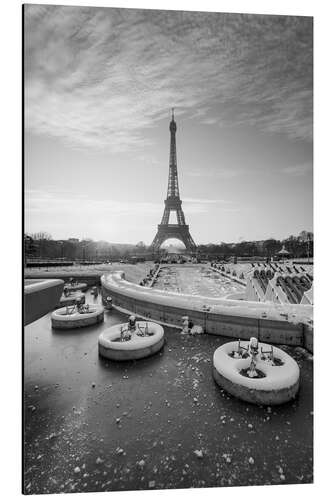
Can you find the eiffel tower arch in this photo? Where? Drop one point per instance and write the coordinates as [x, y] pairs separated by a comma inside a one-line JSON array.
[[173, 203]]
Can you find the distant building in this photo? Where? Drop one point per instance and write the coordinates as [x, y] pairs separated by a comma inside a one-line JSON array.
[[283, 253]]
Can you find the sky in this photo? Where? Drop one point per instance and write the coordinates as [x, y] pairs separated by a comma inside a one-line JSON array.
[[99, 86]]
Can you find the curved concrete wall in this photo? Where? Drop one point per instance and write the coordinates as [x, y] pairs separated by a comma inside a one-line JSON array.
[[229, 318], [308, 338], [40, 297], [90, 278]]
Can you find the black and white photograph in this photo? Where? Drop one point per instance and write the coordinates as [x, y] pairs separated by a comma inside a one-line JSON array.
[[168, 249]]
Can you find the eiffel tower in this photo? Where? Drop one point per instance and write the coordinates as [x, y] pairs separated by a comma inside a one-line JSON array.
[[174, 203]]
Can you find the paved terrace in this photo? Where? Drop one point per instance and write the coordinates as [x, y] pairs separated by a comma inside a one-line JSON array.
[[91, 274]]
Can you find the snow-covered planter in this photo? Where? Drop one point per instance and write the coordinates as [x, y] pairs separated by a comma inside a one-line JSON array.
[[277, 381], [73, 287], [69, 317], [72, 299], [147, 339]]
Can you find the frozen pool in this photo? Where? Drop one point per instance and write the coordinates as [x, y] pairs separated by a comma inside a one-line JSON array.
[[95, 425], [196, 280]]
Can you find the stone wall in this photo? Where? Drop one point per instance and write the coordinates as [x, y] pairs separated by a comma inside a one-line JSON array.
[[308, 338], [233, 326], [91, 279], [40, 298]]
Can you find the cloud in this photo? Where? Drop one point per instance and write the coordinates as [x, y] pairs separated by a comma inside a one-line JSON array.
[[298, 170], [65, 204], [101, 78], [221, 173], [47, 204], [203, 201]]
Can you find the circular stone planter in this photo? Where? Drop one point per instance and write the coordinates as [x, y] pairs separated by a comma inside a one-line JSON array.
[[110, 346], [72, 299], [76, 286], [278, 384], [63, 321]]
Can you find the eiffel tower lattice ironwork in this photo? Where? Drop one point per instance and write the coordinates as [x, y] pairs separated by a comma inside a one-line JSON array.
[[173, 203]]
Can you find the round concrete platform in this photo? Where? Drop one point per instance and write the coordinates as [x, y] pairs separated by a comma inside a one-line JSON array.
[[279, 384], [137, 347], [77, 286], [72, 299], [63, 320]]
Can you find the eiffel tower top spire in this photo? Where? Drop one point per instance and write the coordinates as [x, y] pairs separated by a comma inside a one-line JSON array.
[[173, 188]]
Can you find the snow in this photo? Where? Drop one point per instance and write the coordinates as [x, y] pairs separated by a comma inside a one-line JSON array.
[[296, 313], [277, 377], [198, 453], [196, 280], [31, 287], [108, 337], [308, 297]]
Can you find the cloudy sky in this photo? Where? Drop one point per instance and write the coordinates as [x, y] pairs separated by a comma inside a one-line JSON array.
[[99, 85]]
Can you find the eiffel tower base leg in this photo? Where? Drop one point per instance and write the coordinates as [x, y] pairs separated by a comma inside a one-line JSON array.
[[179, 232]]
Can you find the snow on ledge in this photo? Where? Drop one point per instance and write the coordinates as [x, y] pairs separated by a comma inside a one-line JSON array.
[[41, 285]]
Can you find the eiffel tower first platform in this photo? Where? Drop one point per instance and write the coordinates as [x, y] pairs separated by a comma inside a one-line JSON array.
[[173, 203]]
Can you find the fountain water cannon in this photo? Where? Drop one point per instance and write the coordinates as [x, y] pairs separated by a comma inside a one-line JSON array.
[[239, 353], [185, 324], [253, 351], [132, 323], [125, 334], [83, 308], [70, 309], [142, 331], [268, 356]]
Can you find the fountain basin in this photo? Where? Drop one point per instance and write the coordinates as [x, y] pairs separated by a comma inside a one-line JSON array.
[[278, 384], [62, 320], [110, 346]]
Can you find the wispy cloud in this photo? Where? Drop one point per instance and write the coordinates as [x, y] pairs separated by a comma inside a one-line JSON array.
[[101, 77], [67, 205], [298, 170], [79, 205], [221, 173], [204, 201]]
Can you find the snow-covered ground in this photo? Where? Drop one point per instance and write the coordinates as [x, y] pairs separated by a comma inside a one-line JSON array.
[[246, 267], [196, 280]]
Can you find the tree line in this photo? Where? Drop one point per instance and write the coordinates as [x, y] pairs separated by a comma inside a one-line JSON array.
[[42, 246], [298, 246]]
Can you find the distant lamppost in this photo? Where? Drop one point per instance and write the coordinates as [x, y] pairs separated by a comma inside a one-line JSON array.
[[61, 243], [308, 241]]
